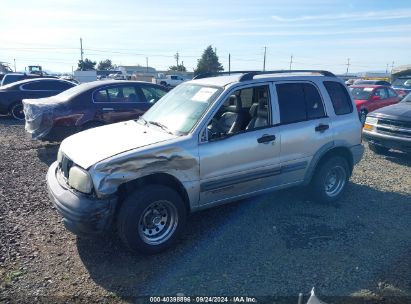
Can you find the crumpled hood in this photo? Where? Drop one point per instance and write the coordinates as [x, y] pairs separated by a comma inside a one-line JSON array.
[[91, 146], [400, 110]]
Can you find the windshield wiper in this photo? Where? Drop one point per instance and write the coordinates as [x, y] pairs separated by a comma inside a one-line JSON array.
[[165, 128]]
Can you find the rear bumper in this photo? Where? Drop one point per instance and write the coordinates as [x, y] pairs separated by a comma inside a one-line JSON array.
[[82, 214], [388, 141], [55, 134]]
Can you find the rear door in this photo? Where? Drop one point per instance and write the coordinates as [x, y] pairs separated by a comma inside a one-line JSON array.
[[305, 127], [247, 160], [118, 103], [381, 102]]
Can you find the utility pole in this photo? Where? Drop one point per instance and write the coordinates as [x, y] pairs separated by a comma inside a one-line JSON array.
[[182, 64], [265, 52], [386, 69], [14, 65], [147, 64], [348, 65], [392, 66], [229, 63], [291, 61], [81, 52], [177, 56]]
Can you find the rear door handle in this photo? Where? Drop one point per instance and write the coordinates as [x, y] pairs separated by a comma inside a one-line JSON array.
[[108, 109], [266, 138], [321, 128]]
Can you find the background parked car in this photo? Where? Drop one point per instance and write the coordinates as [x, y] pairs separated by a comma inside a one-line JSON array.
[[390, 128], [371, 82], [13, 77], [11, 95], [89, 105], [402, 85], [372, 97]]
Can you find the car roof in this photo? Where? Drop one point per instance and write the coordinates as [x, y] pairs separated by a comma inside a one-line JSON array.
[[253, 76], [374, 86], [98, 83], [20, 82]]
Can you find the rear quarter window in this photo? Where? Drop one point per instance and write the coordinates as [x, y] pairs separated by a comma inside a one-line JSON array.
[[340, 99]]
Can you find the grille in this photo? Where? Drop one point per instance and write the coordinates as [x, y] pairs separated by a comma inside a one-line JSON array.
[[394, 123], [389, 131]]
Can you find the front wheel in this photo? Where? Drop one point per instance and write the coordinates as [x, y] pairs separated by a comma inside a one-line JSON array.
[[330, 180], [17, 112], [151, 219]]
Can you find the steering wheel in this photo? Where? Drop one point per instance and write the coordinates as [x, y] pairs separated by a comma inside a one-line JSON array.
[[216, 129]]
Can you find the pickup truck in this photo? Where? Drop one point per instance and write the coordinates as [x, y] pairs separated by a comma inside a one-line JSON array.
[[170, 80]]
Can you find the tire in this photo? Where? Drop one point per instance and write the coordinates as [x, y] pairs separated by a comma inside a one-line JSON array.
[[330, 180], [16, 111], [91, 125], [363, 116], [378, 149], [141, 223], [163, 83]]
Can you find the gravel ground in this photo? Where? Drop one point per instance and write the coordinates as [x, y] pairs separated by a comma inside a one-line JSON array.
[[276, 244]]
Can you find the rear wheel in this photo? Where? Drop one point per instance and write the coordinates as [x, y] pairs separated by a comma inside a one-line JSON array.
[[330, 179], [378, 149], [16, 111], [151, 219]]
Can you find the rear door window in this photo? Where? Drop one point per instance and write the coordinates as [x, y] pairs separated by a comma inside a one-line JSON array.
[[299, 102], [391, 93], [340, 99], [382, 93], [40, 86], [152, 94], [120, 94]]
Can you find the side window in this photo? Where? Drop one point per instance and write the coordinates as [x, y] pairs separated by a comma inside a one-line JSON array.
[[291, 102], [339, 97], [391, 93], [122, 94], [174, 77], [382, 93], [152, 94], [234, 116], [39, 86], [61, 85], [314, 103], [101, 96]]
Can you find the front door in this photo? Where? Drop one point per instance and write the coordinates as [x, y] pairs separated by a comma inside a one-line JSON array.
[[240, 151]]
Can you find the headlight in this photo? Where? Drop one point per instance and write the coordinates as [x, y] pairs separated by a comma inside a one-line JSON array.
[[371, 120], [370, 123], [80, 180]]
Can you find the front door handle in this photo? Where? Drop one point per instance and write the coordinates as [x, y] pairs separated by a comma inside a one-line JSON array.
[[266, 139], [321, 128]]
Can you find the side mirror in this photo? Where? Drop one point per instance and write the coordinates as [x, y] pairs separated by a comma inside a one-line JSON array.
[[375, 98]]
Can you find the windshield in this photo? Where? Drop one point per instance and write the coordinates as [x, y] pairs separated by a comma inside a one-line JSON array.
[[180, 109], [407, 98], [360, 93], [402, 82]]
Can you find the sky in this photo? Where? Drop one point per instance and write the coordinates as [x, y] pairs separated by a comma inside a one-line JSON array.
[[318, 34]]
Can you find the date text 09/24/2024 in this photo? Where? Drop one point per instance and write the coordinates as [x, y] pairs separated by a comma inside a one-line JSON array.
[[202, 299]]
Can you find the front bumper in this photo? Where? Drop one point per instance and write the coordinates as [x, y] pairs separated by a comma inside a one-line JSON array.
[[388, 141], [82, 214]]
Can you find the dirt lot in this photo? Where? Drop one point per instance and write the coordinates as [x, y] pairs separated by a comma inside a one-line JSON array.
[[277, 244]]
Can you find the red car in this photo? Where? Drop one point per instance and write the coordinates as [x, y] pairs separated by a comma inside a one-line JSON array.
[[372, 97]]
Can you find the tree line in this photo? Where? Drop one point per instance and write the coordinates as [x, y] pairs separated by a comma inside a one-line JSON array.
[[208, 62]]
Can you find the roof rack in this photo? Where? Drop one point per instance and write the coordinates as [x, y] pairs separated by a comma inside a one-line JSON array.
[[214, 74], [249, 75]]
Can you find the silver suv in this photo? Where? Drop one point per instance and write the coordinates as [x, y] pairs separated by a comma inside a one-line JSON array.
[[207, 142]]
